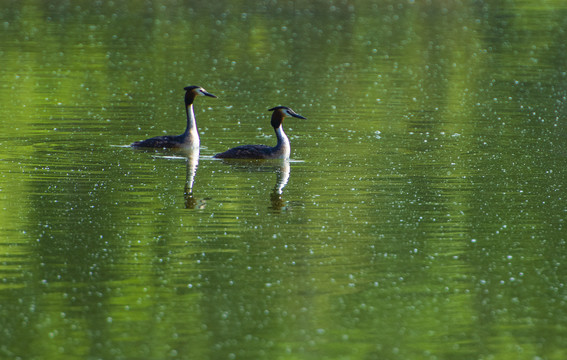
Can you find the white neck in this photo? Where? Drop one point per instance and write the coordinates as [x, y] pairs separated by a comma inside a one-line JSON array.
[[283, 148], [191, 132]]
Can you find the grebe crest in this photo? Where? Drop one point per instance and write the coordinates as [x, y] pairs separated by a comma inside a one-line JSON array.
[[282, 149], [190, 138]]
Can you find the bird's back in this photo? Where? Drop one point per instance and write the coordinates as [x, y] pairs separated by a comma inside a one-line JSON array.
[[247, 152], [166, 141]]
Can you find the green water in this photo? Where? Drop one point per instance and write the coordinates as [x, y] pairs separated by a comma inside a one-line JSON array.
[[422, 215]]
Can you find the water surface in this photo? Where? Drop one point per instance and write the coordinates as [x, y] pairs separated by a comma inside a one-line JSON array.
[[421, 216]]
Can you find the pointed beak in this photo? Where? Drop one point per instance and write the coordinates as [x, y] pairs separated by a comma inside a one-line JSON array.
[[208, 94], [298, 116]]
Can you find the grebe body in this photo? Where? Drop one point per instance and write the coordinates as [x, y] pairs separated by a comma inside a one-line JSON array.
[[282, 149], [190, 138]]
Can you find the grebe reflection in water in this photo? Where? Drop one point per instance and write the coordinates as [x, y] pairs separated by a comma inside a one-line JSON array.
[[282, 170], [191, 171], [282, 177]]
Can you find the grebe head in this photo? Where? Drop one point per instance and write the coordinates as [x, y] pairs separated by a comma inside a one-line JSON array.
[[280, 112], [193, 92]]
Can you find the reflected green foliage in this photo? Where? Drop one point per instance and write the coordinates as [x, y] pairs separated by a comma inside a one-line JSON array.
[[422, 216]]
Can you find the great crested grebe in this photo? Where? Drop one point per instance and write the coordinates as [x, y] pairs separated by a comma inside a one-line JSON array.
[[190, 138], [280, 151]]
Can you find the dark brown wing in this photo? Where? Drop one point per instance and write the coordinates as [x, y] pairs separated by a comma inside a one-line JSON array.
[[166, 141], [246, 152]]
